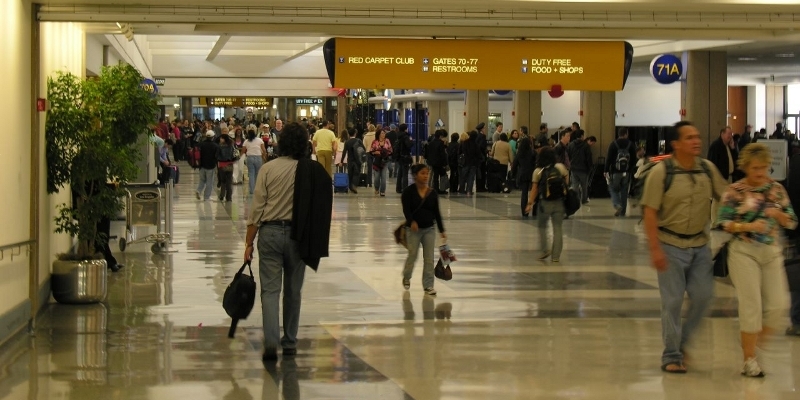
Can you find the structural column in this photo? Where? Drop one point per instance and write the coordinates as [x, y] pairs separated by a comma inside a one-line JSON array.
[[341, 113], [438, 110], [527, 110], [598, 119], [477, 109], [704, 93], [186, 108], [775, 111]]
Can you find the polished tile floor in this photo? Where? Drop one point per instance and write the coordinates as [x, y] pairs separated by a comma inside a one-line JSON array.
[[506, 327]]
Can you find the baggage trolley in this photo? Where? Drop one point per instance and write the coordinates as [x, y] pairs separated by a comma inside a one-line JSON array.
[[143, 208]]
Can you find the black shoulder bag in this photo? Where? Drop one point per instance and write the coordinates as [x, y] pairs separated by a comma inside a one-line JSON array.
[[239, 297]]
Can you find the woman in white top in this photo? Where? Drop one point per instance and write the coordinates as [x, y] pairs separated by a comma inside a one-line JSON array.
[[256, 152], [340, 151]]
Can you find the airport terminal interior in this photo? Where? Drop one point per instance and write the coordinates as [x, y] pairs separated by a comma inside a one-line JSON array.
[[509, 325]]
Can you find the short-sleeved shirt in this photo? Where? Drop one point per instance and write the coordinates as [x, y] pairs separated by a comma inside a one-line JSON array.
[[324, 139], [253, 147], [686, 208], [273, 198]]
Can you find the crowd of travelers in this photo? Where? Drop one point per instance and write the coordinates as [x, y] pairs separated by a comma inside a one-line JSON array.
[[681, 196]]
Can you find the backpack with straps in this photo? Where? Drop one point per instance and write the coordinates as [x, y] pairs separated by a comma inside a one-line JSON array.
[[623, 161], [361, 152], [551, 184], [669, 176]]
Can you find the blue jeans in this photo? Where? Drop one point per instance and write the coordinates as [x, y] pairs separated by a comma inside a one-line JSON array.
[[551, 210], [580, 184], [795, 311], [207, 181], [467, 179], [689, 271], [279, 258], [427, 238], [379, 184], [254, 164], [619, 191]]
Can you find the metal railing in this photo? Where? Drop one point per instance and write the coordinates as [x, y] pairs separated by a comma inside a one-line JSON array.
[[15, 249]]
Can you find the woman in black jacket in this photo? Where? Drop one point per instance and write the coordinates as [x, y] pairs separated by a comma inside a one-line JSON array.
[[437, 159], [472, 160], [524, 164], [452, 161], [421, 210]]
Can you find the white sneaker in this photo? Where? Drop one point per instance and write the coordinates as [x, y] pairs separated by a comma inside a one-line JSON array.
[[430, 291], [752, 369]]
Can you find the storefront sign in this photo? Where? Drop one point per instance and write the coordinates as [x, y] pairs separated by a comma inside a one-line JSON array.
[[309, 102], [666, 69], [477, 64]]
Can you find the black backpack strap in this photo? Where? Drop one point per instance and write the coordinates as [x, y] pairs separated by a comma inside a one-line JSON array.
[[232, 330]]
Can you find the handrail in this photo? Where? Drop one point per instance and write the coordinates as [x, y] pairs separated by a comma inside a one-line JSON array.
[[15, 246]]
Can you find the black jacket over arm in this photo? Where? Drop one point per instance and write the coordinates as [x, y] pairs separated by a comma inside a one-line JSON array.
[[718, 156], [311, 212]]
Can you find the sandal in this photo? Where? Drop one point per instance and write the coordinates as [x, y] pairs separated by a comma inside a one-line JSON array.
[[677, 368]]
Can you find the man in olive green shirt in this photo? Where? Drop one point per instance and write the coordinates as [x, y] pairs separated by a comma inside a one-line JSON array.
[[676, 223], [325, 146]]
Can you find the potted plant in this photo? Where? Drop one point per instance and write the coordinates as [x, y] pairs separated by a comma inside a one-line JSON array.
[[91, 128]]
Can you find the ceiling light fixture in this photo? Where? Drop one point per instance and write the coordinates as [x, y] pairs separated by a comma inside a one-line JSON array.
[[784, 55], [748, 59], [126, 29]]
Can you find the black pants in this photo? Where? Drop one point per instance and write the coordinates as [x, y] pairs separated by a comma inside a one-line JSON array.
[[226, 184], [402, 177], [104, 229], [354, 174], [480, 181], [525, 188], [438, 173], [454, 177]]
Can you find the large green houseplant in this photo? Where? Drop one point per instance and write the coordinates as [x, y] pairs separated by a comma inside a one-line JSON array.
[[91, 129]]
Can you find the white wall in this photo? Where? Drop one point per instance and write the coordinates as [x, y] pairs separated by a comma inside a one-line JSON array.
[[757, 106], [62, 49], [15, 50], [645, 102], [562, 111]]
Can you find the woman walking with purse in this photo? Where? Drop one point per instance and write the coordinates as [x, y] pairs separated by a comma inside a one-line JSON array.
[[381, 149], [550, 183], [421, 210], [753, 210]]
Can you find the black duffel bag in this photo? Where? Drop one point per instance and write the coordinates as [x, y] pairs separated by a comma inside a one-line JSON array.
[[239, 297]]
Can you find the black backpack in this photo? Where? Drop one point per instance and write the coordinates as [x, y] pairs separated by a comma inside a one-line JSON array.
[[623, 161], [551, 184]]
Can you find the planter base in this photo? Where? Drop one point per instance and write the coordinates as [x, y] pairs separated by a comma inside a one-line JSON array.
[[79, 282]]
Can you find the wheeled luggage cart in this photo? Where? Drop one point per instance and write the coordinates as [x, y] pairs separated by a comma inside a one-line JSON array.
[[143, 208]]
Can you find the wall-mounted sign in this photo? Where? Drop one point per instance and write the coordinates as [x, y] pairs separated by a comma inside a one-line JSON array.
[[309, 101], [477, 64], [238, 102], [666, 69], [150, 86], [779, 152], [160, 81]]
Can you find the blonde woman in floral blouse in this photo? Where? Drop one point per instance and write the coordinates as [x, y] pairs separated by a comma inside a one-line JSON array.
[[753, 210]]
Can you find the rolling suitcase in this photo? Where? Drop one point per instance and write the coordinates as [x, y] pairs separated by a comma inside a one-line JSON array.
[[341, 182]]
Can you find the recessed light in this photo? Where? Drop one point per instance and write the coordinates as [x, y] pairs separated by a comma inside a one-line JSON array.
[[784, 55], [748, 59]]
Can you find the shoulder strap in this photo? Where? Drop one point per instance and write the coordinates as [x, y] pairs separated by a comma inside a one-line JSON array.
[[670, 173]]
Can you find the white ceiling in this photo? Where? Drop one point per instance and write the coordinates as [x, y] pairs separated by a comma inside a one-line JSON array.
[[753, 32]]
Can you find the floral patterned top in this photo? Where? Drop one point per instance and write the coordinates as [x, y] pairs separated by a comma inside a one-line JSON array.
[[743, 203]]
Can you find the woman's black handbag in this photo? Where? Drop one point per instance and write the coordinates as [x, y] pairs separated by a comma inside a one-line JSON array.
[[239, 297], [721, 262], [571, 202]]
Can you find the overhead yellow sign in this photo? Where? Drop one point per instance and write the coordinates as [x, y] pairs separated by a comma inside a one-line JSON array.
[[477, 64]]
